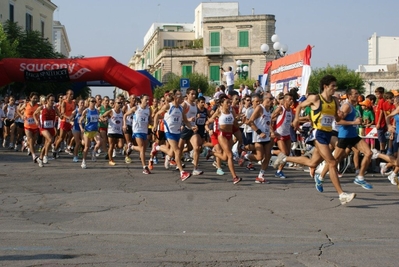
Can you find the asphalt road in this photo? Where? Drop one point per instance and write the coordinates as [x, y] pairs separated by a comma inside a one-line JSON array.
[[62, 215]]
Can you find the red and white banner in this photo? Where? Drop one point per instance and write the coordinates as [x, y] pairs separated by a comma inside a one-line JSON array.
[[74, 70], [290, 71]]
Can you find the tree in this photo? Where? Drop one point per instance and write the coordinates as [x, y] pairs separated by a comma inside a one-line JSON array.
[[346, 78], [196, 81], [7, 47]]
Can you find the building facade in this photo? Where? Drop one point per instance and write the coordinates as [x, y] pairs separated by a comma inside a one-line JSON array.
[[60, 39], [34, 15], [217, 38], [382, 69]]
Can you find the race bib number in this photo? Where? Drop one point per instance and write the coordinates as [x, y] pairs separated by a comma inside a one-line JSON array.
[[117, 128], [201, 121], [94, 118], [327, 120], [30, 121], [67, 120], [48, 124], [176, 119]]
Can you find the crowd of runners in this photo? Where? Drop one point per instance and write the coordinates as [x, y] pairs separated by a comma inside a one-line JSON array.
[[179, 129]]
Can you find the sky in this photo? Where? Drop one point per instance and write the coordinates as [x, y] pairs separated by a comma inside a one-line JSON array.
[[338, 29]]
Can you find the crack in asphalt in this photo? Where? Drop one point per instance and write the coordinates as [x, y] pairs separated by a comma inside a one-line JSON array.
[[228, 199], [325, 245]]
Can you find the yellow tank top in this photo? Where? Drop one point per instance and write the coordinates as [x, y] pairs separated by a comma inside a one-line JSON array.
[[324, 115]]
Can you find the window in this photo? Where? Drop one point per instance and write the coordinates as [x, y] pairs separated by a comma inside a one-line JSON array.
[[158, 74], [243, 39], [214, 73], [42, 28], [214, 41], [186, 70], [169, 43], [28, 22], [11, 15]]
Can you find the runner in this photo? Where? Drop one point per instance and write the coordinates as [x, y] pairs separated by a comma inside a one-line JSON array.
[[283, 117], [324, 109], [115, 125], [103, 126], [31, 128], [10, 110], [173, 119], [88, 124], [227, 123], [263, 133], [76, 129], [66, 109], [141, 119], [45, 117], [191, 138]]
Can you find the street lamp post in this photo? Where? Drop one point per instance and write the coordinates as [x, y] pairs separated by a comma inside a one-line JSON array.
[[242, 71], [279, 49], [239, 69]]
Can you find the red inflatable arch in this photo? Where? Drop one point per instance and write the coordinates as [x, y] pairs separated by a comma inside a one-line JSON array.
[[74, 70]]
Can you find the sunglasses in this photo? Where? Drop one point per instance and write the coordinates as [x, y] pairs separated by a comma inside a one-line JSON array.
[[93, 101], [118, 103]]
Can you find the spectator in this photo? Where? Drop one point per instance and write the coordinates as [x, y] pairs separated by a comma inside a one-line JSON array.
[[229, 79]]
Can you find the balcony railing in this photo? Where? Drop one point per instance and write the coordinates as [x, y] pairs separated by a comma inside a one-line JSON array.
[[213, 50]]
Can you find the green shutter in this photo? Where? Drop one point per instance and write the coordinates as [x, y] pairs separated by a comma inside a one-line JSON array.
[[186, 70], [214, 41], [214, 73], [243, 39]]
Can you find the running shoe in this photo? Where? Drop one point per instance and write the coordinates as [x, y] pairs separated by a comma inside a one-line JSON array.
[[155, 160], [45, 159], [184, 176], [197, 172], [75, 159], [375, 153], [172, 162], [280, 159], [167, 162], [150, 164], [250, 167], [383, 168], [392, 179], [214, 164], [83, 165], [146, 170], [345, 198], [35, 159], [154, 149], [261, 180], [236, 180], [280, 175], [363, 184], [318, 183], [114, 153], [219, 171], [241, 160], [68, 151], [128, 150], [28, 152], [40, 162], [128, 159], [112, 163]]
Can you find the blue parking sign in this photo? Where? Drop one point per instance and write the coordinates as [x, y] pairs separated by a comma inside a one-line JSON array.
[[184, 83]]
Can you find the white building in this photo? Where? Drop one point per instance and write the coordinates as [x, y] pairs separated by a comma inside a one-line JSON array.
[[383, 51], [60, 39]]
